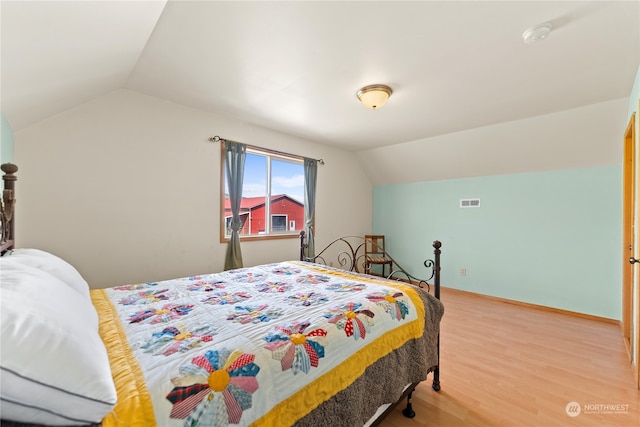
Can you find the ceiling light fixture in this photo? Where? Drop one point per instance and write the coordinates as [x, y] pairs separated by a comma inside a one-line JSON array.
[[374, 96], [537, 33]]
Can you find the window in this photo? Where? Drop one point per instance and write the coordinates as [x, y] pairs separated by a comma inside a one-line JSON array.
[[272, 188], [278, 223]]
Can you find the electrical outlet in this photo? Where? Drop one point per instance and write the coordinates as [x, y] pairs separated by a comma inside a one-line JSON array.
[[463, 271]]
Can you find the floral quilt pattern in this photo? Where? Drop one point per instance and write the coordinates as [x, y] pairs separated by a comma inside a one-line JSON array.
[[352, 318], [146, 296], [178, 338], [225, 348], [254, 314], [295, 349], [392, 302], [215, 388]]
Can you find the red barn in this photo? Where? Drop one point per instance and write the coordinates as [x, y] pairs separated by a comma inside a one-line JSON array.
[[287, 214]]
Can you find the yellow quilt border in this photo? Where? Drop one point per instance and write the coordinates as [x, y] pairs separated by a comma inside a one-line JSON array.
[[134, 407]]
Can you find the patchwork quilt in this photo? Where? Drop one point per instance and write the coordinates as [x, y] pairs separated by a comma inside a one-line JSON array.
[[263, 346]]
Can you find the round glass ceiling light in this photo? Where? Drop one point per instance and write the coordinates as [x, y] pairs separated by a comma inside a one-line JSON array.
[[374, 96]]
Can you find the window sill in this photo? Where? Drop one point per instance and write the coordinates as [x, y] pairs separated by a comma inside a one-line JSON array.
[[252, 238]]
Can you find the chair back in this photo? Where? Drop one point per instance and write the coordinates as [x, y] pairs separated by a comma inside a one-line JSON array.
[[374, 244]]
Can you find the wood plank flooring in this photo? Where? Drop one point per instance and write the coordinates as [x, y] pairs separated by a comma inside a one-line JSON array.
[[512, 365]]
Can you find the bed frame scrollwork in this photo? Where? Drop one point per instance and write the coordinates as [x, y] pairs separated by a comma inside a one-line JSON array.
[[349, 253]]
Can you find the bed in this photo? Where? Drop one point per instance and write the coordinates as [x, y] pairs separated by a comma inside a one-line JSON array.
[[298, 342]]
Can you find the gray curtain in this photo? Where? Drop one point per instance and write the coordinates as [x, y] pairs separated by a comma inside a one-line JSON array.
[[235, 156], [310, 178]]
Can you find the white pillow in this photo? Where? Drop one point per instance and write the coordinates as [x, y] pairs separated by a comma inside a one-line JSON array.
[[51, 264], [54, 367]]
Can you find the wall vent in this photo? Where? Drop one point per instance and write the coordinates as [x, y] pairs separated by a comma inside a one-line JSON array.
[[469, 203]]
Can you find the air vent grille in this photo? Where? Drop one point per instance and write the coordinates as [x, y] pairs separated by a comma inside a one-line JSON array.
[[469, 203]]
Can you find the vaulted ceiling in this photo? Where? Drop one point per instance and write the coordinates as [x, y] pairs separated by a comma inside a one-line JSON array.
[[295, 66]]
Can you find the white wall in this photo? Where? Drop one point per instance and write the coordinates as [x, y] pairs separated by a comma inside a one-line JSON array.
[[584, 137], [126, 187]]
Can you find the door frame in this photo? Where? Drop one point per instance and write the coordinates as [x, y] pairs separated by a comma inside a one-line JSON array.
[[628, 222], [630, 324]]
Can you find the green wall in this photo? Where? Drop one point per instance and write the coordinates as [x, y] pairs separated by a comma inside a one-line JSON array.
[[6, 141], [548, 238]]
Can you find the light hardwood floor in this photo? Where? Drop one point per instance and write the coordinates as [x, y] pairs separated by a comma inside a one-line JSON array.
[[512, 365]]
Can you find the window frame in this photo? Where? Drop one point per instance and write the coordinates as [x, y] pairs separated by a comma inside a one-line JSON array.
[[222, 218]]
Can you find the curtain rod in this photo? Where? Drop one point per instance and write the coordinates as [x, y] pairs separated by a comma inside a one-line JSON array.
[[218, 139]]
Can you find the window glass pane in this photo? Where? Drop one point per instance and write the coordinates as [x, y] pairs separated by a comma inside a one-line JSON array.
[[287, 195], [254, 192]]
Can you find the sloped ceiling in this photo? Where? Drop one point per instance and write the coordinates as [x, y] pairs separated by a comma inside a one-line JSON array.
[[56, 55], [295, 67]]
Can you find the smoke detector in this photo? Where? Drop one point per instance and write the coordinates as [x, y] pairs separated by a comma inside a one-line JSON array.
[[537, 33]]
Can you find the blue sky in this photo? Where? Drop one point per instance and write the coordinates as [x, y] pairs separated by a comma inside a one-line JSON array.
[[286, 177]]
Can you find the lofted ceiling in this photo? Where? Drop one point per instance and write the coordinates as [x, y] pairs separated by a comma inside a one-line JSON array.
[[295, 66]]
